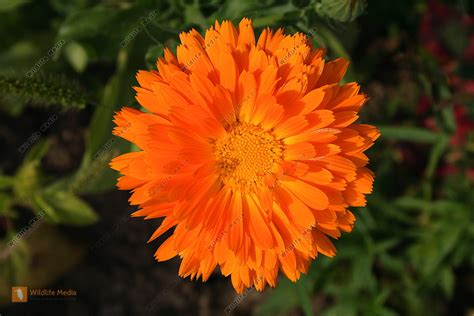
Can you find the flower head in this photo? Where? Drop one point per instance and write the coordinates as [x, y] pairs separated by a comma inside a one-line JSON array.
[[249, 152]]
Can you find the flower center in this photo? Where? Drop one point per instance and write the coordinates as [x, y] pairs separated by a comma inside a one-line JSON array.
[[247, 154]]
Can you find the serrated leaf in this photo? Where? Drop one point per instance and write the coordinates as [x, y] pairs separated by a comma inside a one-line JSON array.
[[66, 208], [26, 180], [71, 209], [98, 177], [41, 206]]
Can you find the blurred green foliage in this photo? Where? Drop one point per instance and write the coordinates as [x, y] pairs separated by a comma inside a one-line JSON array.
[[411, 252]]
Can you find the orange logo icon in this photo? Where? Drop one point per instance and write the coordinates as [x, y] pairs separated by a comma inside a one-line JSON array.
[[19, 294]]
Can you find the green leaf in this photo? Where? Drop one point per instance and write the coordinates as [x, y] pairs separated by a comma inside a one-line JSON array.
[[341, 10], [333, 43], [193, 14], [281, 299], [100, 126], [98, 177], [5, 203], [455, 36], [442, 206], [17, 256], [20, 261], [41, 206], [37, 152], [448, 119], [344, 308], [237, 9], [434, 246], [5, 181], [383, 311], [447, 281], [435, 155], [65, 208], [270, 16], [304, 294], [6, 5], [383, 246], [152, 55], [67, 7], [87, 23], [391, 264], [26, 180], [381, 297], [412, 203], [107, 25], [71, 209], [76, 54], [362, 277], [409, 134], [100, 143]]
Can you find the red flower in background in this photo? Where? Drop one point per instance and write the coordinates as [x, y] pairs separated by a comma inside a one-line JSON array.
[[433, 19], [434, 22], [434, 36]]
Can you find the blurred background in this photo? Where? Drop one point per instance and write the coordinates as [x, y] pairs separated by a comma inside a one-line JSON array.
[[66, 66]]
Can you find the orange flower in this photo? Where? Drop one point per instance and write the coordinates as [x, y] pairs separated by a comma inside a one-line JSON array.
[[248, 151]]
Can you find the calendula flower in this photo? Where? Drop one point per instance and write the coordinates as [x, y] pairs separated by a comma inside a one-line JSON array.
[[249, 152]]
